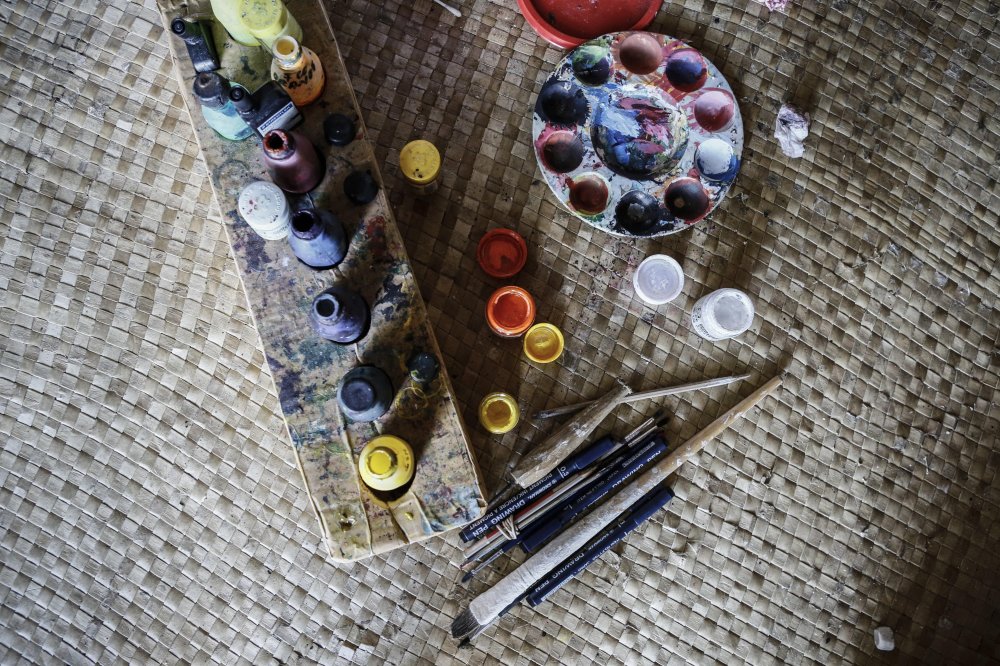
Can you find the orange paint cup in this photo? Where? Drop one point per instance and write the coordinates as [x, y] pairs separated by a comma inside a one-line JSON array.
[[510, 311]]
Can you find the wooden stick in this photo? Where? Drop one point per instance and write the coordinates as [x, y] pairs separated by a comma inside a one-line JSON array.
[[645, 395], [487, 606], [546, 456]]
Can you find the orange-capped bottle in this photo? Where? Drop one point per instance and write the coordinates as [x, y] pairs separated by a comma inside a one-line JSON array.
[[510, 311]]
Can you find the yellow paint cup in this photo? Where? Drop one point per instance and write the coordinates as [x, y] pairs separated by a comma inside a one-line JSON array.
[[498, 413], [543, 343], [386, 463], [420, 163]]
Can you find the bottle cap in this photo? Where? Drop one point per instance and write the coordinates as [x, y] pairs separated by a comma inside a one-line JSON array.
[[386, 463], [510, 311], [498, 413], [722, 314], [286, 49], [543, 343], [502, 253], [659, 279], [262, 15], [264, 207], [239, 96], [365, 393], [178, 26], [360, 187], [339, 129], [423, 367], [211, 89], [420, 162]]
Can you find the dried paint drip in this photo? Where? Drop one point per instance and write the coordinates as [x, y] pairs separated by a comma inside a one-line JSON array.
[[638, 134]]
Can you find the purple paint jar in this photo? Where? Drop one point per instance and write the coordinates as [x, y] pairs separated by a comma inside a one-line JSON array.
[[317, 238], [341, 315], [292, 161]]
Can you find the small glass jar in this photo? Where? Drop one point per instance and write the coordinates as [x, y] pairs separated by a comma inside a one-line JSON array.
[[498, 413], [297, 70], [420, 163], [510, 311], [722, 314], [543, 343]]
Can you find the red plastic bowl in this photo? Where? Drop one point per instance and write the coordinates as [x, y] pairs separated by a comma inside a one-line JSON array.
[[569, 23]]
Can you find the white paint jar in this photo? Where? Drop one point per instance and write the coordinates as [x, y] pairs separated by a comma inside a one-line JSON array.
[[722, 314], [264, 207]]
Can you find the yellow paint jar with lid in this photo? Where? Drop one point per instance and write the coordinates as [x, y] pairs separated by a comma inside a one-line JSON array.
[[420, 163], [386, 463], [498, 413], [267, 20], [543, 343]]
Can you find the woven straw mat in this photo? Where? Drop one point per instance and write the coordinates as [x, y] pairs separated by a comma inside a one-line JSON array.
[[152, 512]]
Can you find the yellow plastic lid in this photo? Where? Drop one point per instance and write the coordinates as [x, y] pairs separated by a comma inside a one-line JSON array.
[[259, 15], [386, 463], [420, 162], [498, 413], [543, 343]]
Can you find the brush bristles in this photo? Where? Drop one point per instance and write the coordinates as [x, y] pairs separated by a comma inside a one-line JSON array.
[[465, 626]]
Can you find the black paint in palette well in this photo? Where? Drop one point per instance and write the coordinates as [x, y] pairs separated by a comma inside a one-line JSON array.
[[563, 103], [638, 212], [563, 151]]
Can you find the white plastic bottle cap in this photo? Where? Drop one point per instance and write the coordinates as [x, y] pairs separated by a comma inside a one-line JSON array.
[[659, 279], [722, 314], [264, 207]]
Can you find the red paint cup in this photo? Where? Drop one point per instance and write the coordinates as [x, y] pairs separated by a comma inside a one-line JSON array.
[[510, 312], [502, 253]]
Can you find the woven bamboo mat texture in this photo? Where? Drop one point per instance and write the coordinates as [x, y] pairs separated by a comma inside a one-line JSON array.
[[152, 512]]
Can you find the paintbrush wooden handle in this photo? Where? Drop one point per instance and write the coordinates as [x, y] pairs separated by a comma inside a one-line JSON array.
[[487, 606], [546, 456]]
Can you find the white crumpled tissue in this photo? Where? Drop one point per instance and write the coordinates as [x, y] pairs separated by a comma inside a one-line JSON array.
[[791, 129]]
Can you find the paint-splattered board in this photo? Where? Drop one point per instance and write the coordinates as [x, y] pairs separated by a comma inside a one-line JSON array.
[[446, 491], [638, 134]]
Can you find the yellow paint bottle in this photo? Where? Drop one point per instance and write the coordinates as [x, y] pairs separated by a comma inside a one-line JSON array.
[[227, 12], [267, 20], [498, 413], [297, 70], [386, 463], [543, 343], [420, 163]]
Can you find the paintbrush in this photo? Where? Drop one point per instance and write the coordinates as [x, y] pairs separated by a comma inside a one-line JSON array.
[[639, 513], [486, 607], [536, 532], [644, 395], [577, 462], [543, 458]]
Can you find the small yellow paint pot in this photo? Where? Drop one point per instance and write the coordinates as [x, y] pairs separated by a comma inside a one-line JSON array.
[[498, 413], [420, 163], [386, 463], [543, 343]]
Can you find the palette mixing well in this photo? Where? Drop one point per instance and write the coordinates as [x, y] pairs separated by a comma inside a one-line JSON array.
[[638, 134]]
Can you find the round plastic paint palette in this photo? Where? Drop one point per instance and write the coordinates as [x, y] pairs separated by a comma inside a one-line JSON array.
[[638, 134]]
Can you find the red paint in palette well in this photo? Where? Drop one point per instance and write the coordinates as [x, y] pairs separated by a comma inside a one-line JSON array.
[[569, 23]]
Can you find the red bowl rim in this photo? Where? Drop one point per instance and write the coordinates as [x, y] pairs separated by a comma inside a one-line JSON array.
[[561, 39]]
